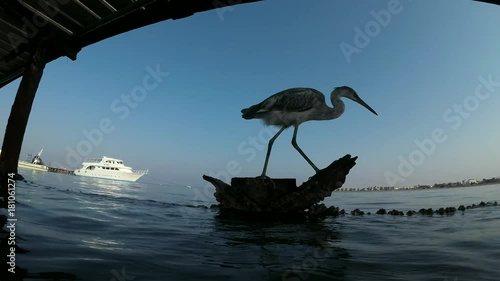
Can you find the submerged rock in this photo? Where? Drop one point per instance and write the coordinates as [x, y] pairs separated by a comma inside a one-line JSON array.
[[395, 213], [357, 212], [450, 210], [318, 210], [428, 212], [410, 213], [333, 211], [440, 211]]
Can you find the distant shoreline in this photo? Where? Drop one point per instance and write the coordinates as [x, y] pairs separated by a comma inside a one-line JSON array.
[[465, 183]]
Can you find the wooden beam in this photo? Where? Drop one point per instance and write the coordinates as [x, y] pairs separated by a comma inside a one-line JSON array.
[[11, 148], [489, 1], [20, 112]]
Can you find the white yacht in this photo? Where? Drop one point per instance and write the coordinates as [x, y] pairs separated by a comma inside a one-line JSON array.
[[34, 164], [108, 168]]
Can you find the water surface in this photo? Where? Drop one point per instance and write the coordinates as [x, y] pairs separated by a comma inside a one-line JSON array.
[[110, 230]]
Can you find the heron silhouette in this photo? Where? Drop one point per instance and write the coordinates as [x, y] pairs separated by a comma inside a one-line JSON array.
[[295, 106]]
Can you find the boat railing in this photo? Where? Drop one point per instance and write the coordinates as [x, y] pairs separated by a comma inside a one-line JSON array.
[[141, 172], [93, 160]]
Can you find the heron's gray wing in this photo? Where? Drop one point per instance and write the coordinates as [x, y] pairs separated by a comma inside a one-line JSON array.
[[293, 100], [290, 100]]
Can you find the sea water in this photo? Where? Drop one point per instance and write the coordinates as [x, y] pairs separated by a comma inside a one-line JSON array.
[[104, 230]]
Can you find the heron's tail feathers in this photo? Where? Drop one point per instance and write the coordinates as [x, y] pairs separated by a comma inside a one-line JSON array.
[[249, 113]]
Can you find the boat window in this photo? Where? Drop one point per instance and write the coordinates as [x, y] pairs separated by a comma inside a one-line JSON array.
[[90, 168]]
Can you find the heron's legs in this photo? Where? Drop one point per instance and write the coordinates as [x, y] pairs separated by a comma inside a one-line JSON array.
[[269, 147], [294, 143]]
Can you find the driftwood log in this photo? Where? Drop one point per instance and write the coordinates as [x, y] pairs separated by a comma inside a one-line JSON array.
[[268, 196]]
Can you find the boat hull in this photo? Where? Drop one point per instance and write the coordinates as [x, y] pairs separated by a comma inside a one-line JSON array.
[[31, 166], [110, 176]]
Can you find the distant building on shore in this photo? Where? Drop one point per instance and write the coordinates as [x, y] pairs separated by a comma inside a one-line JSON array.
[[469, 181]]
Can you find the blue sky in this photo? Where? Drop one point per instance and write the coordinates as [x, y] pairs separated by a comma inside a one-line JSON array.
[[424, 60]]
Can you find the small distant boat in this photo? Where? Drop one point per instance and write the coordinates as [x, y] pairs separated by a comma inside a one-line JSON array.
[[108, 168], [36, 163]]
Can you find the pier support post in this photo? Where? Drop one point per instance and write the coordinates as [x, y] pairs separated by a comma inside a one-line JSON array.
[[20, 112], [11, 149]]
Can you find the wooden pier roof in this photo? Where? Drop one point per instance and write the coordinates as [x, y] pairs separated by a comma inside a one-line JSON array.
[[71, 25]]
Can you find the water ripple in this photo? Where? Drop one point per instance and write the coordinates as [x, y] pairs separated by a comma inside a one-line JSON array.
[[96, 229]]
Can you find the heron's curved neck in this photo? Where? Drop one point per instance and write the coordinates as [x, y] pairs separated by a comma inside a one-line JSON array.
[[337, 110], [328, 113]]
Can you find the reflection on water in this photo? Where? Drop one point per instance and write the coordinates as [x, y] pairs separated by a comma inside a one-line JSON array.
[[102, 244], [32, 174], [112, 188], [286, 251]]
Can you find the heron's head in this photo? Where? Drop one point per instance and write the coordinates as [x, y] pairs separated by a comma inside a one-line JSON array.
[[348, 92]]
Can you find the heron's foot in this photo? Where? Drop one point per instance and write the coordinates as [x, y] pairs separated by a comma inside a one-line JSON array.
[[263, 179], [318, 172], [314, 167]]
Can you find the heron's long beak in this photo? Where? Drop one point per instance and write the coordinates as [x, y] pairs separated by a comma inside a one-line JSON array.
[[363, 103]]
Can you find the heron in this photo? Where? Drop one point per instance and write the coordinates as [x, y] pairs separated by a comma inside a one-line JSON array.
[[295, 106]]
